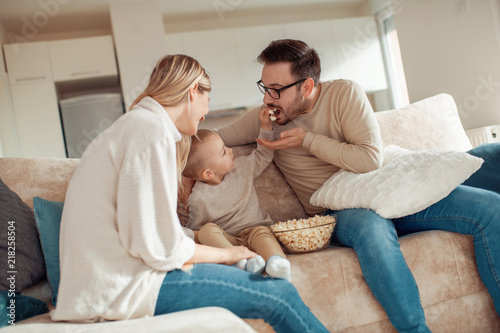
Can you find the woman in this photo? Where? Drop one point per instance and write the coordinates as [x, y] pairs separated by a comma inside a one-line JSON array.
[[122, 247]]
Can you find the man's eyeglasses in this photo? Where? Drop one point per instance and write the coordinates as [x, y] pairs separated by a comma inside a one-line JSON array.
[[275, 93]]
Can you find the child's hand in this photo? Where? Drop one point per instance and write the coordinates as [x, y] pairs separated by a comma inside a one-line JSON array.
[[265, 120]]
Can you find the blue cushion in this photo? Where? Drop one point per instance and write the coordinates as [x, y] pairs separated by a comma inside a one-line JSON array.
[[16, 307], [48, 221]]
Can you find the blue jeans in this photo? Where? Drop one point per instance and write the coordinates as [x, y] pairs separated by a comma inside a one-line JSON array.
[[467, 210], [246, 295]]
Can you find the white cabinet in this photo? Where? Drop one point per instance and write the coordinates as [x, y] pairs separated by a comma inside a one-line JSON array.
[[38, 122], [33, 68], [81, 58], [7, 122], [28, 63]]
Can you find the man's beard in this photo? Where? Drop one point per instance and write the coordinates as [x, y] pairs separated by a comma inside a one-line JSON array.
[[296, 108]]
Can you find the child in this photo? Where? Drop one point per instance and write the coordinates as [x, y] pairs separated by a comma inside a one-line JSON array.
[[224, 196]]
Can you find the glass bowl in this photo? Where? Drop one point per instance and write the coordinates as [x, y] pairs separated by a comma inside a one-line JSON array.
[[305, 235]]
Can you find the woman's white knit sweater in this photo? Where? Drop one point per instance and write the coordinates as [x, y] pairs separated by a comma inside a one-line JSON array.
[[120, 232]]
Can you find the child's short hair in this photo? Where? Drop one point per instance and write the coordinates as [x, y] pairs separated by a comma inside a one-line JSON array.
[[195, 162]]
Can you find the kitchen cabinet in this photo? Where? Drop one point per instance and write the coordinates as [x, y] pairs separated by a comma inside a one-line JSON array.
[[38, 123], [81, 58], [7, 122], [28, 63]]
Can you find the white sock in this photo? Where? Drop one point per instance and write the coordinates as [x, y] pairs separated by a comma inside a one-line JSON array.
[[241, 264], [279, 267], [256, 265]]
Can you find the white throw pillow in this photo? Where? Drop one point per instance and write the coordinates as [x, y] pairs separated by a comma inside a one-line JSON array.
[[407, 183]]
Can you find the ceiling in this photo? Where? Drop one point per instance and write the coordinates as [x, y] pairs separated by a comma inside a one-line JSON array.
[[54, 16]]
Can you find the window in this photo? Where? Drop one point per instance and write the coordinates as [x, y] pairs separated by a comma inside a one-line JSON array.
[[392, 58]]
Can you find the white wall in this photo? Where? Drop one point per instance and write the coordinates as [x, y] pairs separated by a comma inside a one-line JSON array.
[[452, 46], [139, 43], [3, 40], [232, 15]]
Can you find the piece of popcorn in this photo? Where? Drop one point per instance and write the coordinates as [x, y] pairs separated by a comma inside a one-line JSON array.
[[271, 115]]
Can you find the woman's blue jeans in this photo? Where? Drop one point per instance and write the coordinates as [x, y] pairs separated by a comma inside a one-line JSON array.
[[469, 210], [246, 295]]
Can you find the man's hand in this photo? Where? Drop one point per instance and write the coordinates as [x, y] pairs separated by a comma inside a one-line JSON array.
[[292, 138]]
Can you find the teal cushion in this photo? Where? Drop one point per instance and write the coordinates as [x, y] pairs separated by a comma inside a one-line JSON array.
[[48, 221], [16, 307]]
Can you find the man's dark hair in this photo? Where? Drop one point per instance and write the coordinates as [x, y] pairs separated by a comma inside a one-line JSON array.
[[304, 59]]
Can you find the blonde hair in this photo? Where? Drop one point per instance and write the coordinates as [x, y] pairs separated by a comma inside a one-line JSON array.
[[169, 85], [171, 79], [195, 161], [182, 151]]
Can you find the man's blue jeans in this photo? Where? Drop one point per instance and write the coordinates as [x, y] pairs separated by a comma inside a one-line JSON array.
[[469, 210], [246, 295]]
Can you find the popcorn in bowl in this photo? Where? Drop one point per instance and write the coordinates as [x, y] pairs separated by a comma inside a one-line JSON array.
[[305, 235]]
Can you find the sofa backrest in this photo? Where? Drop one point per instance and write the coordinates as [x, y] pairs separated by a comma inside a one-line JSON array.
[[47, 178], [430, 124]]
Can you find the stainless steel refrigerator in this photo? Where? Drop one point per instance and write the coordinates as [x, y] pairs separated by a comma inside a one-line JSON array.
[[85, 117]]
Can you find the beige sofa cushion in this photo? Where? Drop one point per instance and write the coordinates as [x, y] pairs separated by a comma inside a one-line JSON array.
[[430, 124]]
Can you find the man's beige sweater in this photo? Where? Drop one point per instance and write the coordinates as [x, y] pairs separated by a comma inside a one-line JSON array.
[[342, 133], [120, 232]]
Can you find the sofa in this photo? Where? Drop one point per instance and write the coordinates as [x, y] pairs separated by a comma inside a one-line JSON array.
[[329, 281]]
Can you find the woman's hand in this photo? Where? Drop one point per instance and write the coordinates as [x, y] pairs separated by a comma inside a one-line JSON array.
[[237, 253], [213, 255]]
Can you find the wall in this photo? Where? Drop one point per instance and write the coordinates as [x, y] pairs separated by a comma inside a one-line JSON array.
[[453, 47], [231, 14], [3, 40], [234, 15]]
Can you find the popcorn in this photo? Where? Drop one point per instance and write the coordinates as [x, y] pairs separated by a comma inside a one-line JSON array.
[[305, 235], [271, 114]]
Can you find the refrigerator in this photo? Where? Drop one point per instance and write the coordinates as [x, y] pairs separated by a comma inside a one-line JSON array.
[[85, 117]]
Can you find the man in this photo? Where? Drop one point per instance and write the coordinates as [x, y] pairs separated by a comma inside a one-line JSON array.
[[322, 127]]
